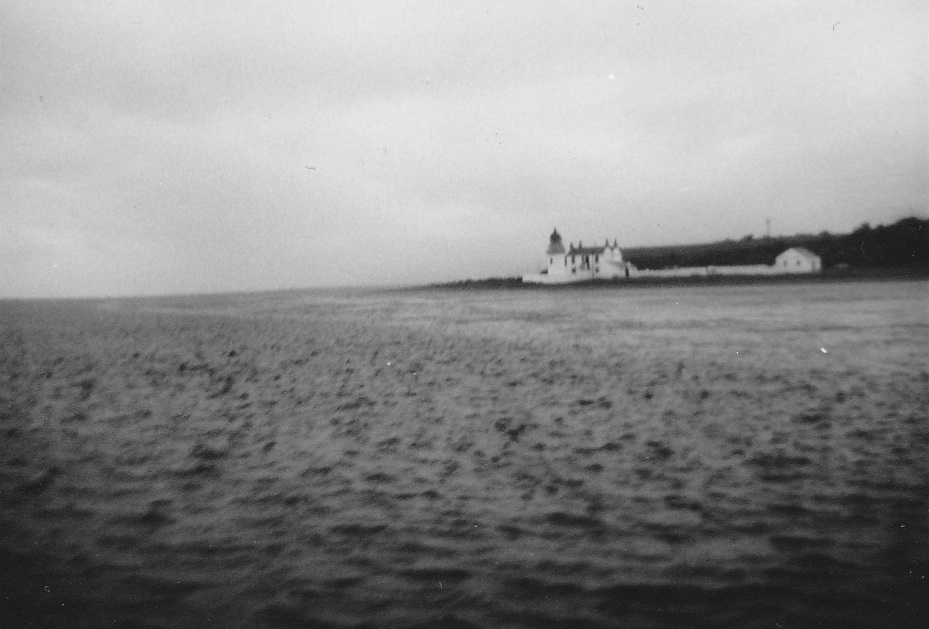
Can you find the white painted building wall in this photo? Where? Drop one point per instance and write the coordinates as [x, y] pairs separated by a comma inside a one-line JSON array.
[[562, 266], [798, 260], [744, 269], [557, 267], [607, 263]]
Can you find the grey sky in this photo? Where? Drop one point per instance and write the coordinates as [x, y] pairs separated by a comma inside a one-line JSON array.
[[210, 146]]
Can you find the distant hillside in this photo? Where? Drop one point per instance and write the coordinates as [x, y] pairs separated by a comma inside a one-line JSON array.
[[903, 245]]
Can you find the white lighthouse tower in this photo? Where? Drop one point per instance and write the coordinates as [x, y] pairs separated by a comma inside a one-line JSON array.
[[557, 262]]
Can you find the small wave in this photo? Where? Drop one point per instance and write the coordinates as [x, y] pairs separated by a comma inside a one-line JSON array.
[[436, 574], [38, 483], [195, 469], [563, 519], [154, 516], [534, 587], [279, 614], [208, 452], [798, 542], [358, 530]]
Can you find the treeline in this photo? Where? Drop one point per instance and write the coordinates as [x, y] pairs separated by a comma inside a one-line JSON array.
[[903, 245]]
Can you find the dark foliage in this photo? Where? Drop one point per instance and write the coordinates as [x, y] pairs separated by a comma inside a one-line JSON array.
[[903, 245]]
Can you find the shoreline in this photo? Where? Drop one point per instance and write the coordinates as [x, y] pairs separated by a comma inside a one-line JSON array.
[[512, 283], [827, 276]]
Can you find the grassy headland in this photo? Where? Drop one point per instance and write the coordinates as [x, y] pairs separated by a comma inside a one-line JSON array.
[[903, 245], [894, 251]]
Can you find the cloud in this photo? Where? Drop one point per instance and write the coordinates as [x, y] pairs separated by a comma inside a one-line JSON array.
[[193, 147]]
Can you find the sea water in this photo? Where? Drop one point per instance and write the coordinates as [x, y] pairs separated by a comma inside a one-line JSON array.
[[648, 457]]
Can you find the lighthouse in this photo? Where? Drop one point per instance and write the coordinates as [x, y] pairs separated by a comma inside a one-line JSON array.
[[580, 263], [557, 263]]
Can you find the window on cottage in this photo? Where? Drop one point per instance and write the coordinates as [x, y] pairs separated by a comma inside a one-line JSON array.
[[596, 258]]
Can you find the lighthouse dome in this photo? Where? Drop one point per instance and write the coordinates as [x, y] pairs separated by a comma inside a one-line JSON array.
[[555, 246]]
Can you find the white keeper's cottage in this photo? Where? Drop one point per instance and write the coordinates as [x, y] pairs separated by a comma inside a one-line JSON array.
[[579, 263]]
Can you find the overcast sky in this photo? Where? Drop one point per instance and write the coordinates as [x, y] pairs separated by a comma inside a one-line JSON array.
[[172, 147]]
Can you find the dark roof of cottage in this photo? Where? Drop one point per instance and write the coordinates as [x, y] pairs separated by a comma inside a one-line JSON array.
[[556, 247], [580, 251]]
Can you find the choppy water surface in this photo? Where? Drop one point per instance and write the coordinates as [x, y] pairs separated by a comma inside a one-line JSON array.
[[735, 456]]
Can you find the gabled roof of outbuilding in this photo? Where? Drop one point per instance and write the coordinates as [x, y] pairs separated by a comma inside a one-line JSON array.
[[803, 251]]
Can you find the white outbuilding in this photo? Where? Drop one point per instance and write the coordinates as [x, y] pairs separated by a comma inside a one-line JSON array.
[[798, 260]]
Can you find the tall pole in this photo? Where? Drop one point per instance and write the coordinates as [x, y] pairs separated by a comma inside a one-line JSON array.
[[767, 223]]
